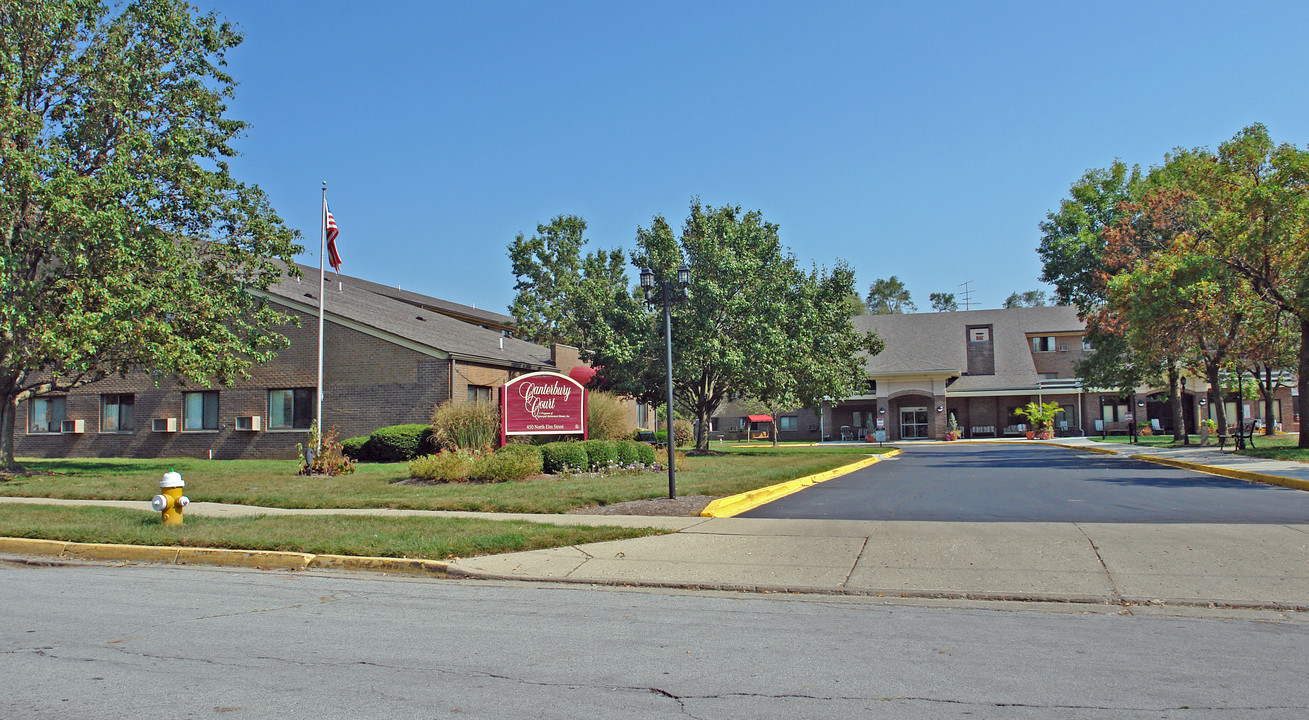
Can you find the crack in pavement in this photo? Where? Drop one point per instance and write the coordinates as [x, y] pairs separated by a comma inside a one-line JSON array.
[[1116, 598]]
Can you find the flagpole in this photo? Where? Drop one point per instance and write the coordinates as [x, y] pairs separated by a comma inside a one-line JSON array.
[[322, 253]]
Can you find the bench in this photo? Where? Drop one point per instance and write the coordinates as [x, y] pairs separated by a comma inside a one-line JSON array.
[[1241, 437], [981, 430]]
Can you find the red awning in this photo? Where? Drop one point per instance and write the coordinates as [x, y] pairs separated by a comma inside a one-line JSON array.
[[759, 418]]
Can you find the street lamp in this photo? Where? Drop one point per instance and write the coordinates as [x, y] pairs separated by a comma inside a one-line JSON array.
[[666, 292]]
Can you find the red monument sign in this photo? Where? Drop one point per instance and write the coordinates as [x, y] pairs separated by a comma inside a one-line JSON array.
[[542, 403]]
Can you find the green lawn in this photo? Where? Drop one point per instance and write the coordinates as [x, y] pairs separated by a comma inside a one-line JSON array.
[[407, 537], [274, 483], [1277, 447]]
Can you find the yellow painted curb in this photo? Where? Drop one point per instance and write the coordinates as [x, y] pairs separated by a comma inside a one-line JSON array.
[[1228, 472], [737, 504], [1086, 448], [266, 559]]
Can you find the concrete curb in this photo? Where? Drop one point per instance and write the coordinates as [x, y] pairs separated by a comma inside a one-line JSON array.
[[223, 557], [1085, 448], [1227, 472], [890, 594], [733, 505]]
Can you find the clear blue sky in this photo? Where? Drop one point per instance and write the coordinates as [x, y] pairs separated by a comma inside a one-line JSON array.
[[923, 140]]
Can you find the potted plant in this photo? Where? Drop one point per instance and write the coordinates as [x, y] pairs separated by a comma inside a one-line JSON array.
[[1041, 416], [952, 428], [1207, 430]]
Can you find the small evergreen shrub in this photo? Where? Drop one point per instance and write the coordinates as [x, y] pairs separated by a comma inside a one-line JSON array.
[[470, 426], [606, 418], [398, 443], [353, 448], [600, 454], [505, 467], [629, 452], [646, 454], [661, 437], [682, 432], [564, 457]]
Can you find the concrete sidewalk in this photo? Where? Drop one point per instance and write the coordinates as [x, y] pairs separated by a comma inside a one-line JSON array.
[[1240, 566]]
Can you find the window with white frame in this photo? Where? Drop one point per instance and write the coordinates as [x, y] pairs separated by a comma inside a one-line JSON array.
[[1045, 343], [787, 424], [116, 412], [979, 334], [46, 415], [200, 410], [291, 409]]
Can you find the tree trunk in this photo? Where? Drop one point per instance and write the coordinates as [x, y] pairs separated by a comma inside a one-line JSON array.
[[774, 426], [8, 421], [1175, 402], [701, 429], [1302, 382], [1267, 388], [1216, 397]]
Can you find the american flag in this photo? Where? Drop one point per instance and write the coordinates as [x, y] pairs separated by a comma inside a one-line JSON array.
[[333, 258]]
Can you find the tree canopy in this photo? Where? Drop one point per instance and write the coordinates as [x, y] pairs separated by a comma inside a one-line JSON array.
[[124, 239], [1031, 298], [889, 296], [752, 323], [943, 302]]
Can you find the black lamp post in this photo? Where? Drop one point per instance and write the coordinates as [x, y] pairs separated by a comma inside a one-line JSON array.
[[666, 291]]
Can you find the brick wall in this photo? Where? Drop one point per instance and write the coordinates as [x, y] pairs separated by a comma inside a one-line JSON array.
[[367, 383]]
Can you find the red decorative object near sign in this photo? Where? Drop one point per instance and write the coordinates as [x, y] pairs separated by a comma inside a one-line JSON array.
[[542, 403]]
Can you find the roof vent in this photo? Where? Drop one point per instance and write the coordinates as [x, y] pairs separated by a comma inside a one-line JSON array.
[[502, 342], [309, 295], [420, 317]]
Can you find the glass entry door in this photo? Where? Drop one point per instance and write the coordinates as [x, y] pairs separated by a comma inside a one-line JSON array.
[[913, 423]]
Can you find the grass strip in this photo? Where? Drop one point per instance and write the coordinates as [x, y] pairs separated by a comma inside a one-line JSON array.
[[274, 483], [401, 537]]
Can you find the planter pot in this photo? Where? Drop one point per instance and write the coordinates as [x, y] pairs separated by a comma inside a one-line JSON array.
[[1031, 434]]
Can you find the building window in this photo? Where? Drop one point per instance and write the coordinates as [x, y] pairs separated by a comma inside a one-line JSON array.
[[787, 424], [291, 409], [116, 413], [713, 424], [1114, 413], [642, 415], [982, 334], [1086, 345], [47, 415], [479, 393], [200, 410], [1044, 344]]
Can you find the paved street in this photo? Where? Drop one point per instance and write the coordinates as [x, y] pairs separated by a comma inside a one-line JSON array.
[[152, 641], [1035, 483]]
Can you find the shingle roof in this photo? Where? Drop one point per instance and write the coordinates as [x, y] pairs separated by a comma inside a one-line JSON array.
[[463, 312], [937, 342], [463, 340]]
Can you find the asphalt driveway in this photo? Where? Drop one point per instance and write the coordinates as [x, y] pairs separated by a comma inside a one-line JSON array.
[[1036, 483]]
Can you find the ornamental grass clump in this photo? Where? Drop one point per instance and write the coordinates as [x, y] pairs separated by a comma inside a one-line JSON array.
[[606, 418], [465, 425]]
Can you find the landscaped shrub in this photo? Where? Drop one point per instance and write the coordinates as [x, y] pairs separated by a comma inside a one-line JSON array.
[[507, 466], [448, 466], [474, 425], [682, 432], [353, 448], [661, 437], [529, 456], [646, 454], [606, 418], [629, 451], [328, 458], [564, 457], [600, 454], [398, 443]]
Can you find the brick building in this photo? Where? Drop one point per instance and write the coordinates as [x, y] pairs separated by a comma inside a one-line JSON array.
[[980, 366], [389, 357]]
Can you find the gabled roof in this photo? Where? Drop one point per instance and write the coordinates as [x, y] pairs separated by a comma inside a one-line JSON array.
[[417, 324], [467, 313], [933, 343]]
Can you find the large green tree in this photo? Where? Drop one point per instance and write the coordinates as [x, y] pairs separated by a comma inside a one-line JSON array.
[[752, 323], [560, 291], [889, 296], [124, 240]]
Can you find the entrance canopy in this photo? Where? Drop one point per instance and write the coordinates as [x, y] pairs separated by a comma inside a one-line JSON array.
[[759, 418]]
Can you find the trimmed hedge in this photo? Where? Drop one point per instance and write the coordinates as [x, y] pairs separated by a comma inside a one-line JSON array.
[[646, 454], [398, 443], [600, 454], [353, 448], [564, 457], [628, 454], [528, 456]]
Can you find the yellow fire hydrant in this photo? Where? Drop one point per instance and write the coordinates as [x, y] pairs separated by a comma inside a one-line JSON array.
[[171, 501]]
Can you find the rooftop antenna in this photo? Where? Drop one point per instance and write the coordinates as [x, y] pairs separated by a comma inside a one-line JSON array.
[[966, 295]]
